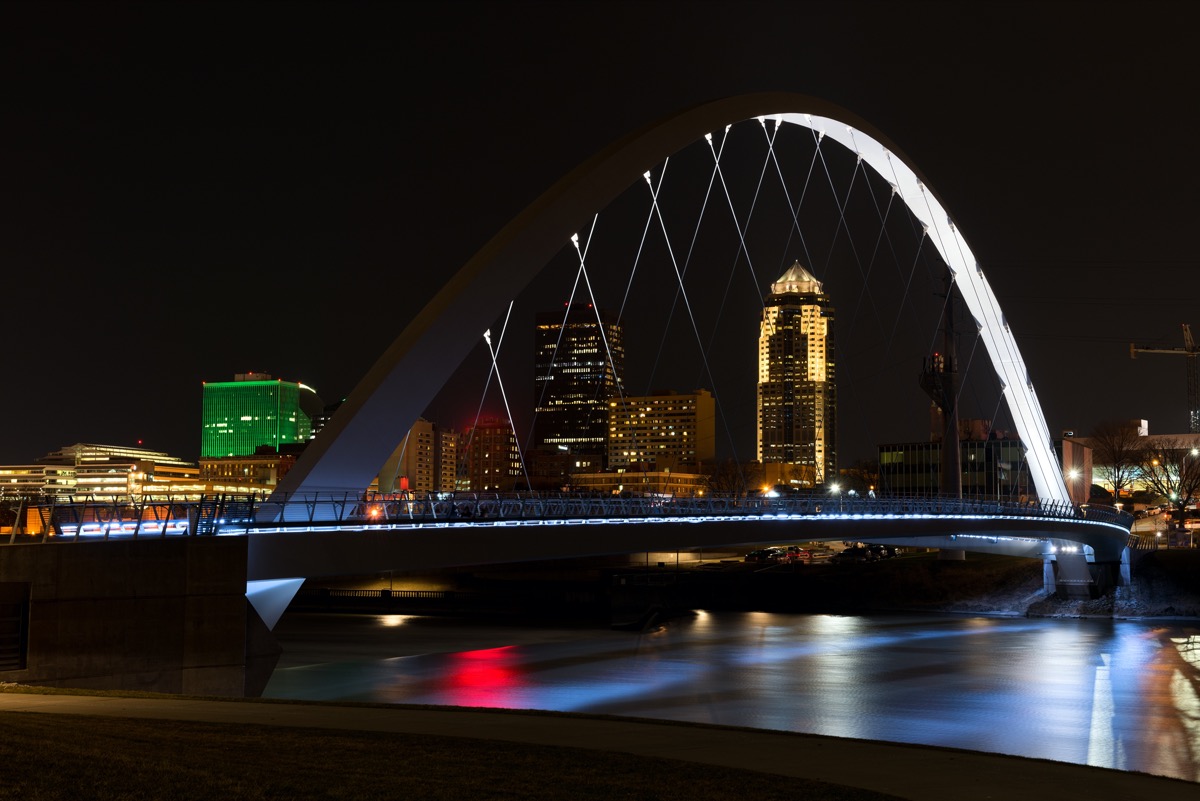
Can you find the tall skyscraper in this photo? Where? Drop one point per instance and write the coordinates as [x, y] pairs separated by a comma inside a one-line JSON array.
[[797, 387], [255, 410], [579, 365]]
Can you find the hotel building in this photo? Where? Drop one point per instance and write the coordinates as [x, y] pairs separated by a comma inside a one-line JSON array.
[[672, 432]]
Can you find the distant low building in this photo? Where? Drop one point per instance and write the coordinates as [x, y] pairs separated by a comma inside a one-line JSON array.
[[666, 483], [117, 473], [263, 469], [992, 467]]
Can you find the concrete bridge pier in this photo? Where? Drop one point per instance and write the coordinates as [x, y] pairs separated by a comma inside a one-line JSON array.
[[165, 615], [1049, 586], [1112, 574], [1072, 576]]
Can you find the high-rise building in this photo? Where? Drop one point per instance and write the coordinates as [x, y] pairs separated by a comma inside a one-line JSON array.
[[489, 458], [425, 461], [797, 386], [579, 365], [669, 431], [253, 410]]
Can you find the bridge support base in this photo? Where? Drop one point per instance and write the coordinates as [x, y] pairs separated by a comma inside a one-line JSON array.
[[1075, 577], [1048, 584], [952, 554], [166, 615]]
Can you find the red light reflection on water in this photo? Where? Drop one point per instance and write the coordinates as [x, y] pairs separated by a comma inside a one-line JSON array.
[[490, 677]]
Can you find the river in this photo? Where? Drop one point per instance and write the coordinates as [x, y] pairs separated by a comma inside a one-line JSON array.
[[1115, 694]]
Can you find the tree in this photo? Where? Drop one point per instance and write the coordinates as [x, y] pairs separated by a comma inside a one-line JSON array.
[[862, 476], [1116, 454], [728, 477], [1170, 467]]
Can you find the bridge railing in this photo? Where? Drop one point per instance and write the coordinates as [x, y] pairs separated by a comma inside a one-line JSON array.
[[92, 518]]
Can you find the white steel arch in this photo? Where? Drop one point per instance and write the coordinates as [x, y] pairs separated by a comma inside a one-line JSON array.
[[378, 413], [1044, 468]]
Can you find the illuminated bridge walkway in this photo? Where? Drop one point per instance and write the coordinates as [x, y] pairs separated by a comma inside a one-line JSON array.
[[346, 534]]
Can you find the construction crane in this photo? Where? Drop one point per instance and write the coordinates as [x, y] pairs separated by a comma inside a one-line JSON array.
[[1189, 350]]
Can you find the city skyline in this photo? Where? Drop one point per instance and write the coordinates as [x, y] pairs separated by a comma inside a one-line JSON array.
[[287, 199]]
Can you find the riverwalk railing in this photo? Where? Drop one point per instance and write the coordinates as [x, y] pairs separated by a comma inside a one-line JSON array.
[[90, 518]]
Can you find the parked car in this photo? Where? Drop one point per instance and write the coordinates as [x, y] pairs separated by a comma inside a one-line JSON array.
[[794, 553], [766, 555], [851, 556]]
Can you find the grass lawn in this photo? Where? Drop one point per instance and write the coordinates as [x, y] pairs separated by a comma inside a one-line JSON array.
[[45, 757]]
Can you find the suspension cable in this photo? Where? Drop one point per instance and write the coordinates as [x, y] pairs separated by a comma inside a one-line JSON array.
[[487, 337], [688, 306]]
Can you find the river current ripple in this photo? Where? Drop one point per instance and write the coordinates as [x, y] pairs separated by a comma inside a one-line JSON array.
[[1114, 694]]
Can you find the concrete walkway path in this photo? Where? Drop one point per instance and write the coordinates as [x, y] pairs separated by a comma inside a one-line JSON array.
[[914, 772]]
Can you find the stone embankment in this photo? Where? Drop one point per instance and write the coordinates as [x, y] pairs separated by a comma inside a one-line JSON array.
[[1166, 583]]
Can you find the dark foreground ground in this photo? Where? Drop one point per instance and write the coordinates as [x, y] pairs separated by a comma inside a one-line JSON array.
[[69, 757], [59, 746]]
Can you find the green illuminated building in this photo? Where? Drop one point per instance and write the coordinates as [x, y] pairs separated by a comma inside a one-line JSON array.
[[253, 411]]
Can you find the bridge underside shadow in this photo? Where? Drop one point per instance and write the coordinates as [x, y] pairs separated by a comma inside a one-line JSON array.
[[311, 554]]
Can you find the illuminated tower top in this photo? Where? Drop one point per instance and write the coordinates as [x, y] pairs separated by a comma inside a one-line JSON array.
[[797, 281]]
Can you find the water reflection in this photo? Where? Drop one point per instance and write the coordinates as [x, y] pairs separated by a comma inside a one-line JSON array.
[[1122, 695]]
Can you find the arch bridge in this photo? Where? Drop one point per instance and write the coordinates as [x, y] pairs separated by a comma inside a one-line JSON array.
[[353, 534], [374, 418]]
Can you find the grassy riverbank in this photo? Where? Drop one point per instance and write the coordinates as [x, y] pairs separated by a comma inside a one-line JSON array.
[[53, 757]]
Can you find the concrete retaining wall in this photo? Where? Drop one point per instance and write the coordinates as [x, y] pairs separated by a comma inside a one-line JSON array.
[[160, 615]]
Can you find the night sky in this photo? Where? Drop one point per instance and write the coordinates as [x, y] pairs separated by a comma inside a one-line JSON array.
[[189, 191]]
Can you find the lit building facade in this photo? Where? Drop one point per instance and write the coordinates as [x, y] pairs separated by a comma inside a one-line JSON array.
[[579, 365], [797, 383], [255, 410], [262, 469], [661, 483], [996, 467], [118, 471], [426, 460], [40, 481], [489, 459], [672, 431]]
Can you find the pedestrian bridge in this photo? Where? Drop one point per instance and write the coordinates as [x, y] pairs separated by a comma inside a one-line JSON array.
[[357, 533], [151, 568]]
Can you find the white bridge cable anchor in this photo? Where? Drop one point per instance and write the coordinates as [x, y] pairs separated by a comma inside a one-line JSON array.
[[495, 352]]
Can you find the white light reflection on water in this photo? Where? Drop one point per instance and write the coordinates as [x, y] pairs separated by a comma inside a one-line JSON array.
[[1113, 694]]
